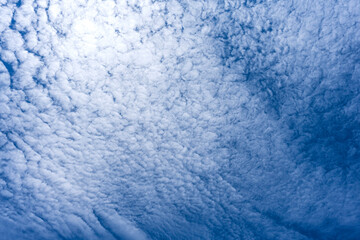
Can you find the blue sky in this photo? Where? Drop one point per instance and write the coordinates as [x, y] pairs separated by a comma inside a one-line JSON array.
[[179, 119]]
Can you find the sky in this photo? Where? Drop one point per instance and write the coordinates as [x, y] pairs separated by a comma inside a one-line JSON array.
[[218, 119]]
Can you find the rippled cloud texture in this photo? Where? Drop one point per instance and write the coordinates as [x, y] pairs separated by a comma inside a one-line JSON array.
[[179, 119]]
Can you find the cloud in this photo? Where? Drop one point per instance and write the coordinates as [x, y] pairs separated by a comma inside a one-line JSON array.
[[119, 227], [179, 120]]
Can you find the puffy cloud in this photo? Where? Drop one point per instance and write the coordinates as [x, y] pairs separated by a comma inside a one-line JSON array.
[[179, 120]]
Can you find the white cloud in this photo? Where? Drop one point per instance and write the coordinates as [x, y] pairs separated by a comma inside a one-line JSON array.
[[174, 120], [5, 18]]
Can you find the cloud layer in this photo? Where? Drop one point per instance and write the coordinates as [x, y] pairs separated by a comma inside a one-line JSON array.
[[179, 119]]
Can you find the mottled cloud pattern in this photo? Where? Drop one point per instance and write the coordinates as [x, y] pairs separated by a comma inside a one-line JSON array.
[[234, 119]]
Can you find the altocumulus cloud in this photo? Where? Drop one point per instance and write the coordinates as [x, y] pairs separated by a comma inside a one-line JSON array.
[[232, 119]]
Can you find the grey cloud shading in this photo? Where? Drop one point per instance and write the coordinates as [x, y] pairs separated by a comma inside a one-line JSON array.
[[179, 119]]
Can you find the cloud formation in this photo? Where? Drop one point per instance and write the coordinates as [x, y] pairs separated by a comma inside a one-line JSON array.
[[179, 119]]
